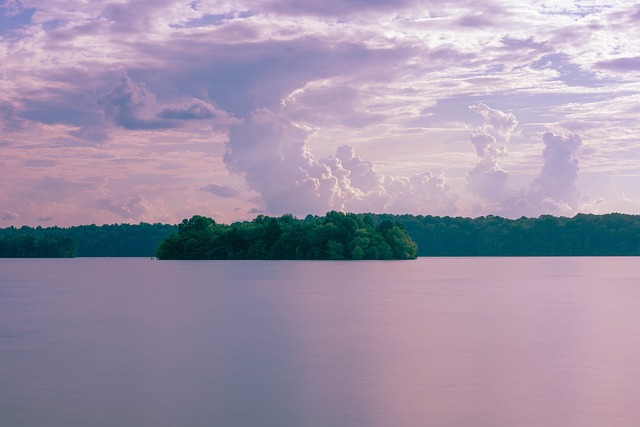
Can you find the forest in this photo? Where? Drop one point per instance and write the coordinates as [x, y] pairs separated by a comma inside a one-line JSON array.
[[31, 246], [582, 235], [337, 236], [113, 240]]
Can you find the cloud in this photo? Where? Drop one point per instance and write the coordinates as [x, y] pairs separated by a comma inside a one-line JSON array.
[[556, 183], [134, 107], [7, 215], [620, 64], [552, 191], [194, 109], [220, 190], [568, 72], [197, 109], [23, 211], [334, 8], [63, 188], [132, 208], [13, 16], [270, 152], [393, 79], [91, 133], [126, 17], [131, 105], [250, 75], [496, 121], [327, 103], [9, 118], [475, 21], [487, 178]]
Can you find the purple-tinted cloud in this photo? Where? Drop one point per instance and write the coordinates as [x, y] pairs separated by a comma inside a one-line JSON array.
[[127, 17], [131, 208], [621, 64], [557, 179], [487, 178], [496, 121], [249, 76], [292, 79], [330, 104], [7, 215], [336, 8], [131, 105], [570, 73], [271, 153], [552, 191], [197, 109], [65, 108], [529, 43], [220, 190], [475, 21]]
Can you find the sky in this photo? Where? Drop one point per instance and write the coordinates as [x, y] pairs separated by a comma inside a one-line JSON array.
[[157, 110]]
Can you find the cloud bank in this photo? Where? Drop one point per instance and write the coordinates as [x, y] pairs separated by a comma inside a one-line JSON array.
[[270, 152], [157, 110]]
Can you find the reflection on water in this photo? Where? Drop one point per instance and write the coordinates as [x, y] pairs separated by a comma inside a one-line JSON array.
[[441, 342]]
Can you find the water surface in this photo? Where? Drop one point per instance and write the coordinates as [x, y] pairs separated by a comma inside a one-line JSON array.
[[431, 342]]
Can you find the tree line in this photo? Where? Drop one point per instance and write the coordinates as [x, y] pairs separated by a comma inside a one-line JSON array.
[[336, 236], [612, 234], [31, 246], [112, 240], [584, 234]]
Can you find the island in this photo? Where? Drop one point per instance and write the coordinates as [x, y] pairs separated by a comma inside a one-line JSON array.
[[336, 236]]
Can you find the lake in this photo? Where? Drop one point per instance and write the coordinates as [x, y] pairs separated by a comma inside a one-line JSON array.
[[431, 342]]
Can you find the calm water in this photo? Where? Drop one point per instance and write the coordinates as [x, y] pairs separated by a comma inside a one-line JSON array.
[[431, 342]]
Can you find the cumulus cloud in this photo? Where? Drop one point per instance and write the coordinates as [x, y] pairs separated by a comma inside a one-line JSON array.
[[552, 191], [487, 178], [270, 152], [556, 183], [498, 122]]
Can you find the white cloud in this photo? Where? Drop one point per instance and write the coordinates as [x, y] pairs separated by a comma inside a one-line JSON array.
[[271, 153]]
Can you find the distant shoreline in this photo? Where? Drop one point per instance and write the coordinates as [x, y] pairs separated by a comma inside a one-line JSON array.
[[488, 236]]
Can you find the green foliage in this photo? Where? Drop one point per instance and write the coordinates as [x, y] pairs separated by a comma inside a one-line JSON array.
[[583, 235], [30, 246], [116, 240], [337, 236]]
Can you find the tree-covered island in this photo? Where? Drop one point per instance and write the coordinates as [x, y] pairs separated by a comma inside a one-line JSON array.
[[336, 236]]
